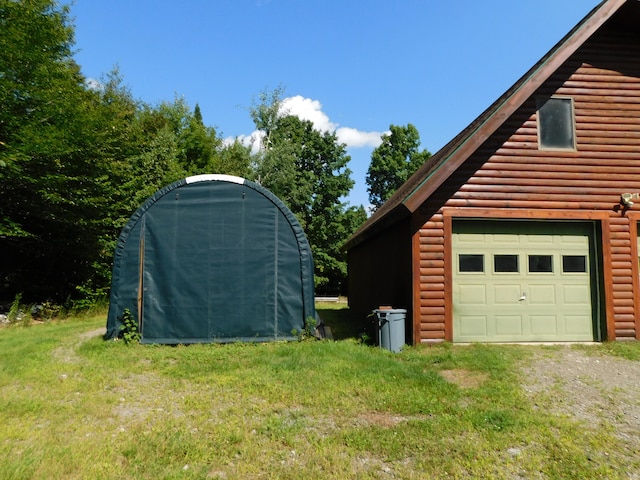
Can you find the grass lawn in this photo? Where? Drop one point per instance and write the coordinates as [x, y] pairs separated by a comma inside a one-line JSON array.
[[74, 406]]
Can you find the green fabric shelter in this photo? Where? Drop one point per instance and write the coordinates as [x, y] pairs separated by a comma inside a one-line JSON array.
[[212, 258]]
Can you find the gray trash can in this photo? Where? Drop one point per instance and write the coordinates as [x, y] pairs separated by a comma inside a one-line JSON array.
[[390, 328]]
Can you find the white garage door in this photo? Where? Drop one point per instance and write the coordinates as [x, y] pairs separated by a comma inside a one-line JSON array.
[[522, 282]]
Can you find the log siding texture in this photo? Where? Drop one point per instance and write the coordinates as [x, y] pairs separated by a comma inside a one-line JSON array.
[[496, 169]]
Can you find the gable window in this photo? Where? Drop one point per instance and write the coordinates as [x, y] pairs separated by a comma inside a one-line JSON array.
[[556, 125]]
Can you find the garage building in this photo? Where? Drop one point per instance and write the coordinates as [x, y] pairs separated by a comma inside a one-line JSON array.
[[524, 227]]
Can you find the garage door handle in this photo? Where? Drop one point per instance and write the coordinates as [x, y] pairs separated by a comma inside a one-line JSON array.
[[523, 297]]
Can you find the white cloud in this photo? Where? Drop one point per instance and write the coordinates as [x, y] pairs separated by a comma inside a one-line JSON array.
[[309, 109], [356, 139]]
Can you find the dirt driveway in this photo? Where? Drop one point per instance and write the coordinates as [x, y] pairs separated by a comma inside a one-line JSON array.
[[593, 389]]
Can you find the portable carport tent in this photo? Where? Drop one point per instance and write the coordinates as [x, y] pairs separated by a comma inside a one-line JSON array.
[[212, 258]]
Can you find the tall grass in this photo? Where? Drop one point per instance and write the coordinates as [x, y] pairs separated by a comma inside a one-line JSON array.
[[74, 406]]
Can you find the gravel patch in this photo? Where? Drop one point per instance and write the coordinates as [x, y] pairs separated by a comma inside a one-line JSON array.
[[596, 390]]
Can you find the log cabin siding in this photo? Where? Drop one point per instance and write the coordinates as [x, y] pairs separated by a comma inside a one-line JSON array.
[[430, 307], [510, 173]]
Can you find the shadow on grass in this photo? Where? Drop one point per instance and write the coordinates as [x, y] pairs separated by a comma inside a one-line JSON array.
[[346, 324]]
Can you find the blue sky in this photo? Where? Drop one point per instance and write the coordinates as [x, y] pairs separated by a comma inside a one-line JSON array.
[[355, 67]]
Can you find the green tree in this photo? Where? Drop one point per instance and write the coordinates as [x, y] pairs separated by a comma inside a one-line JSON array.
[[393, 162], [169, 143], [154, 167], [111, 140], [53, 176], [266, 112], [308, 170], [234, 159], [198, 144], [35, 50]]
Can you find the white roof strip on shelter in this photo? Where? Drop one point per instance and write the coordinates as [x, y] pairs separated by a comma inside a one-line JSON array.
[[213, 177]]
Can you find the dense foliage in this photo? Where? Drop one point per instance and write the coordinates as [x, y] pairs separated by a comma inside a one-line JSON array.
[[50, 213], [393, 162], [78, 157]]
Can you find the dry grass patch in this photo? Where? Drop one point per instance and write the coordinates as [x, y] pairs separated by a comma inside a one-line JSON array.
[[464, 378]]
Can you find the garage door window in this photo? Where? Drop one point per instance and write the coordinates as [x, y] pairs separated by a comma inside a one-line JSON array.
[[540, 264], [471, 263], [574, 264], [505, 264]]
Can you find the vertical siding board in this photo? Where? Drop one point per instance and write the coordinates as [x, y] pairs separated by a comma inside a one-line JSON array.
[[417, 257], [510, 172], [448, 291]]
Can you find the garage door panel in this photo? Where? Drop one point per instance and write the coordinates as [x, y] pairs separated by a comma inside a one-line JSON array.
[[472, 326], [576, 294], [472, 238], [473, 294], [504, 239], [544, 325], [509, 325], [574, 240], [534, 240], [575, 324], [507, 294], [542, 295]]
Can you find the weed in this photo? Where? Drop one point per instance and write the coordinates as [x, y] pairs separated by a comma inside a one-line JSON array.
[[15, 311], [308, 332], [129, 330], [366, 339]]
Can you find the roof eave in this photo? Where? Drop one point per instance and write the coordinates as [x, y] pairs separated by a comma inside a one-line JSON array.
[[365, 232]]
